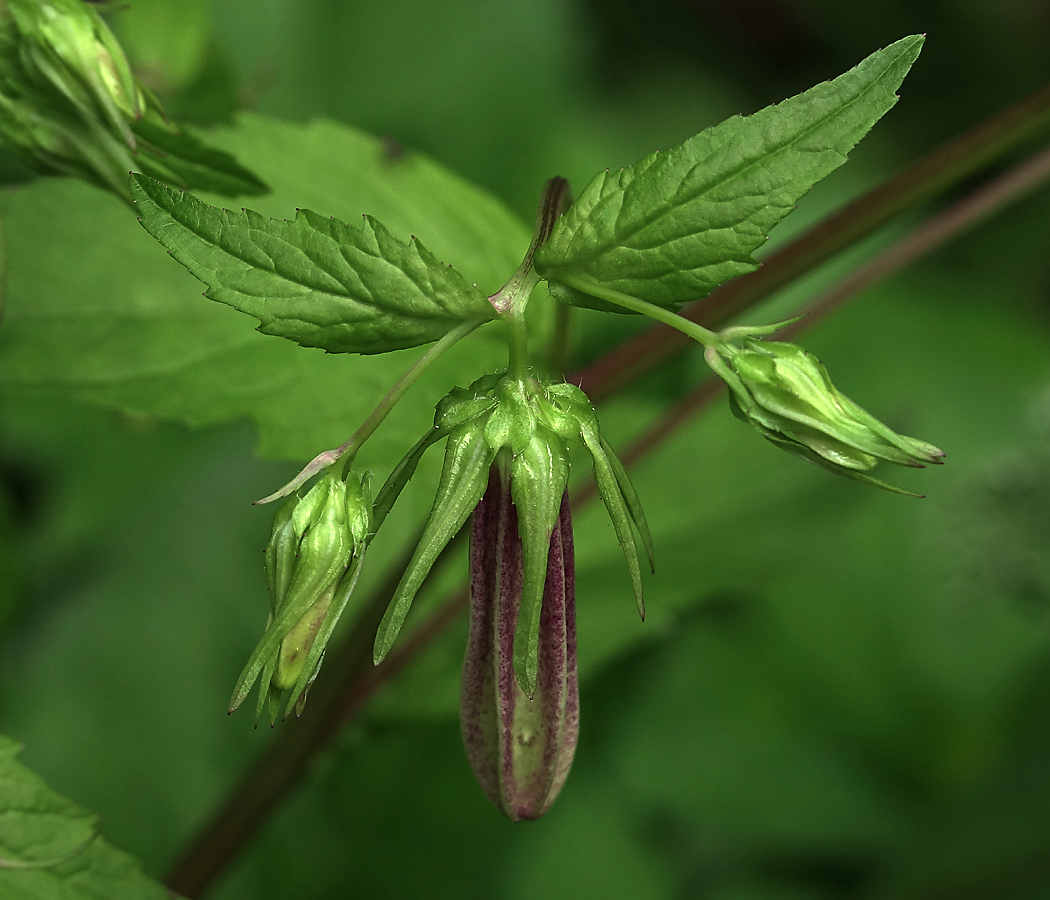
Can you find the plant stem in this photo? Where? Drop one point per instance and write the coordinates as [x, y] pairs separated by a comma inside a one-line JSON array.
[[517, 346], [347, 450], [660, 314], [930, 176]]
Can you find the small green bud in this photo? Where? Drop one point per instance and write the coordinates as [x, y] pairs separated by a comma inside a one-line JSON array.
[[312, 563], [786, 394]]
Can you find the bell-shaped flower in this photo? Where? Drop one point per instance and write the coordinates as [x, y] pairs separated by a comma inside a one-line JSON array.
[[507, 463]]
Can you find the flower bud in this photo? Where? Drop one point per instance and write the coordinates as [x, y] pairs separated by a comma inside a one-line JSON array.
[[70, 105], [67, 95], [312, 563], [786, 394], [519, 747]]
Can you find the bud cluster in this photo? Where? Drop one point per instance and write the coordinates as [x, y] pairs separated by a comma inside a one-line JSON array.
[[67, 94], [71, 105]]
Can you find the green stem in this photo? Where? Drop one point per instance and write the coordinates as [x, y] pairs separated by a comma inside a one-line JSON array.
[[517, 346], [511, 299], [348, 450], [690, 329]]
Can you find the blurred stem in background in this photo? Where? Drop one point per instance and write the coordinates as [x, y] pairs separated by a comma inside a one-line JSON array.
[[348, 679]]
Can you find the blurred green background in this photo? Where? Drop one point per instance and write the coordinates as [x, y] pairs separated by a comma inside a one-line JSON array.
[[838, 693]]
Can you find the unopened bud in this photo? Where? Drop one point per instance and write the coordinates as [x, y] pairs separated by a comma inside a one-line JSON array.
[[519, 747], [312, 562], [786, 394]]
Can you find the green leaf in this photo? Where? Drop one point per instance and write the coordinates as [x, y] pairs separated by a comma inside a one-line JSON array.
[[678, 223], [316, 281], [97, 312], [49, 846]]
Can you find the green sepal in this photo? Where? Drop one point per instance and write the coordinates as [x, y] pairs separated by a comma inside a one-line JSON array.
[[461, 405], [464, 477], [180, 158], [538, 476], [269, 696], [512, 422], [630, 497], [281, 553], [312, 664], [400, 477], [616, 506]]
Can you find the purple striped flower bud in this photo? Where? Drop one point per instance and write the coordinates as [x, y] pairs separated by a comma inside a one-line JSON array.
[[520, 748]]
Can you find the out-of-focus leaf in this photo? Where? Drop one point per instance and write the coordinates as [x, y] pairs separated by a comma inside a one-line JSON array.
[[49, 849]]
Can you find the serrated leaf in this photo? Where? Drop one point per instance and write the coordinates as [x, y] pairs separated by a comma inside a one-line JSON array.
[[678, 223], [49, 849], [316, 281], [97, 312]]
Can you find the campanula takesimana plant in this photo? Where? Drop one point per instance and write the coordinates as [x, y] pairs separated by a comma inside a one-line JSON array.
[[645, 239]]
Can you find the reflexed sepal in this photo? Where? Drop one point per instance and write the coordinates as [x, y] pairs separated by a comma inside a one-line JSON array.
[[463, 478], [614, 487], [786, 394], [526, 426], [519, 747]]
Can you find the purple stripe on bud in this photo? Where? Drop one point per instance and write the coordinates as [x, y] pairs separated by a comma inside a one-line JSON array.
[[519, 748]]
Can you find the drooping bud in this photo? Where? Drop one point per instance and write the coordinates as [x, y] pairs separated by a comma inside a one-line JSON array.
[[312, 563], [531, 424], [786, 394], [519, 747]]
